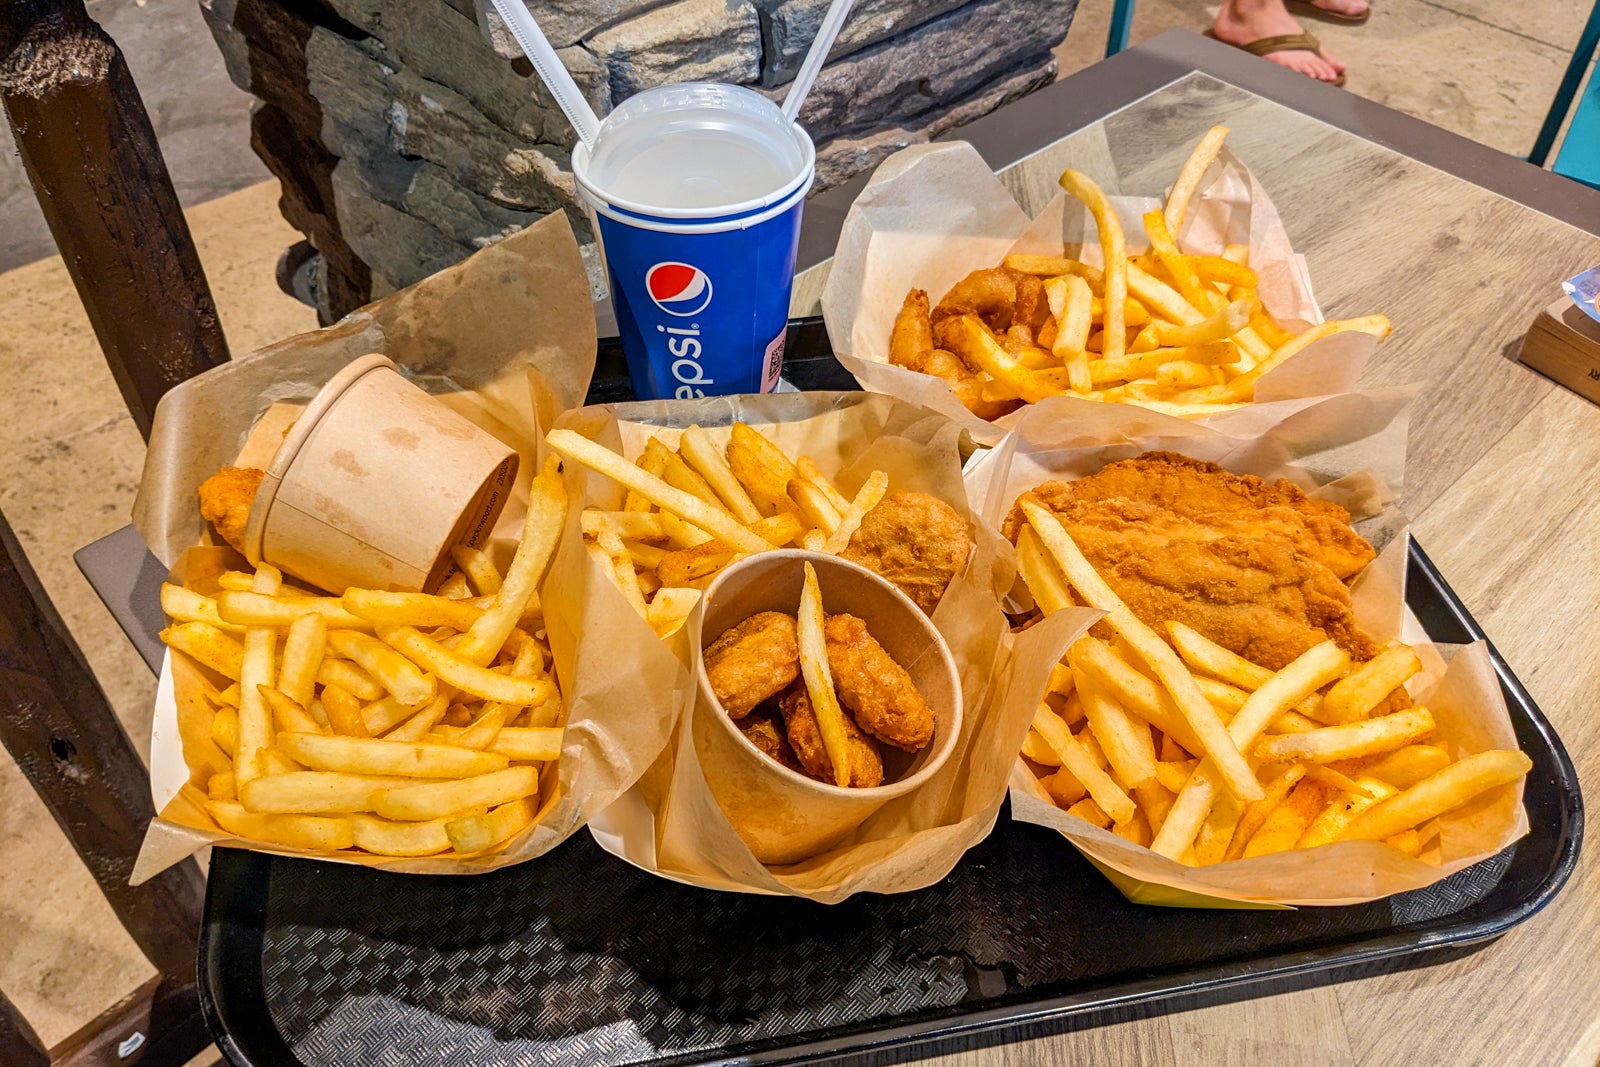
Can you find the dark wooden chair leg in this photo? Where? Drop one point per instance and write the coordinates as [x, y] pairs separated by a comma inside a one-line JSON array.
[[19, 1045], [91, 154], [58, 726]]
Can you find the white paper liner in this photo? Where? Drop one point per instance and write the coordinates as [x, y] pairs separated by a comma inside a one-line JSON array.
[[931, 214]]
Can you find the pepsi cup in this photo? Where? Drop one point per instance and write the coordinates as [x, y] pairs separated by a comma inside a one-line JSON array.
[[697, 191]]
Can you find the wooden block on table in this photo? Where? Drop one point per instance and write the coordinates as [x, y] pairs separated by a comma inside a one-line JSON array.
[[1564, 344]]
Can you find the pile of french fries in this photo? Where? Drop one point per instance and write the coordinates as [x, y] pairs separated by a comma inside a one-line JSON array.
[[1178, 333], [397, 724], [692, 510], [1178, 744]]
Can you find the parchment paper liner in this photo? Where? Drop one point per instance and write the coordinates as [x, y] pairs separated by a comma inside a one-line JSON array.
[[670, 824], [1457, 684], [507, 339], [933, 213]]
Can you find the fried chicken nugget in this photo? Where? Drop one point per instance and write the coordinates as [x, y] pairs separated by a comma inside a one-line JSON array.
[[225, 501], [753, 661], [876, 688], [916, 541], [764, 727], [805, 737]]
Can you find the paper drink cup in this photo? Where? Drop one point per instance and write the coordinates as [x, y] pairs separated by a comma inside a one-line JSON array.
[[375, 483], [782, 815]]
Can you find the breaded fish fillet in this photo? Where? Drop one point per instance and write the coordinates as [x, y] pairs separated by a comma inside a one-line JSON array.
[[916, 541], [805, 737], [874, 687], [753, 661]]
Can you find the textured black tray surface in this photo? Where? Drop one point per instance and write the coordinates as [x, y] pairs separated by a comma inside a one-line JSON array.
[[578, 958]]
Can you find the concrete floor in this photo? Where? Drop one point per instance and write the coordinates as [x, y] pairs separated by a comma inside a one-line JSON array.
[[70, 457]]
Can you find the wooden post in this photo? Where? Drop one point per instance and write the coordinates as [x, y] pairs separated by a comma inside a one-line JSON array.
[[91, 154], [19, 1045], [58, 726]]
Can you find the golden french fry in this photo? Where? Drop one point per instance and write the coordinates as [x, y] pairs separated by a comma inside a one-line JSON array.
[[1355, 695], [1267, 328], [1065, 789], [383, 715], [1062, 680], [1407, 766], [257, 609], [1126, 743], [303, 649], [318, 833], [688, 564], [1090, 812], [974, 341], [1438, 793], [1203, 654], [614, 557], [385, 838], [1040, 573], [701, 453], [225, 729], [1225, 698], [528, 744], [1036, 748], [344, 711], [1188, 181], [450, 666], [1406, 841], [1057, 266], [349, 677], [411, 609], [1342, 811], [1072, 303], [679, 475], [1135, 691], [273, 761], [778, 530], [392, 670], [638, 525], [1178, 267], [1135, 830], [478, 567], [1154, 800], [474, 833], [819, 677], [314, 792], [814, 540], [433, 800], [1202, 718], [814, 505], [1076, 759], [812, 473], [760, 465], [1243, 387], [1211, 843], [407, 759], [645, 557], [867, 497], [1225, 271], [289, 715], [1174, 775], [1220, 326], [255, 671], [602, 460], [229, 696], [185, 605], [1256, 813], [1162, 299], [222, 786], [680, 533], [417, 726], [1143, 364], [1115, 252], [547, 514], [455, 587], [208, 645], [1367, 737], [1289, 821]]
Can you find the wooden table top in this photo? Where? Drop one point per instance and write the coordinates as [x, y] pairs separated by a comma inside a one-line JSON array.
[[1503, 487]]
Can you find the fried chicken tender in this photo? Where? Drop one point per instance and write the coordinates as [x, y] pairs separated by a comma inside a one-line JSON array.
[[225, 501], [805, 737], [753, 661], [916, 541], [874, 687], [764, 727], [1259, 569]]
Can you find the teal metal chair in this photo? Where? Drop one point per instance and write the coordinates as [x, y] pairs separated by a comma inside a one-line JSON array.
[[1121, 25], [1579, 158]]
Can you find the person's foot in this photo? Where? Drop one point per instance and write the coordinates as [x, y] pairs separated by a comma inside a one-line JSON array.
[[1241, 28], [1349, 10]]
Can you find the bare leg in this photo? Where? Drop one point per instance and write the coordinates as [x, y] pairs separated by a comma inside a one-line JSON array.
[[1242, 21]]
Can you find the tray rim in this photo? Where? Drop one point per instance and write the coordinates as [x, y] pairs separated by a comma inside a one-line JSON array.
[[216, 959]]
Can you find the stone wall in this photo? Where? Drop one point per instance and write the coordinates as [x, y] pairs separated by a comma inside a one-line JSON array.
[[440, 140]]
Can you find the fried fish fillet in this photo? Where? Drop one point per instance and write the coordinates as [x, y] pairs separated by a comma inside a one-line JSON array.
[[916, 541], [1258, 568], [753, 661], [225, 501], [874, 687], [805, 737]]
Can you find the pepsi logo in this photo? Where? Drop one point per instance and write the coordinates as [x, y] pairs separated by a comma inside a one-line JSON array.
[[678, 289]]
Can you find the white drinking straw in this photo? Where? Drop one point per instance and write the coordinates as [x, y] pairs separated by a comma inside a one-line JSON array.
[[821, 45], [556, 77]]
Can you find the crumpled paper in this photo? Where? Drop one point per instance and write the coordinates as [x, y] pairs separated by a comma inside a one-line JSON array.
[[1457, 683], [934, 213], [670, 824], [507, 338]]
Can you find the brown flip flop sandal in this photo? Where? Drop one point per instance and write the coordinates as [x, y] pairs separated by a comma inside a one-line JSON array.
[[1285, 42], [1311, 11]]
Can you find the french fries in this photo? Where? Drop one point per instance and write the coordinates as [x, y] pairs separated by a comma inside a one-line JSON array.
[[331, 736], [819, 679], [734, 493], [1324, 768], [1181, 333]]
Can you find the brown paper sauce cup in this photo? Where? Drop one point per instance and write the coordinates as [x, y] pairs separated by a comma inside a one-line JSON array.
[[375, 483], [781, 815]]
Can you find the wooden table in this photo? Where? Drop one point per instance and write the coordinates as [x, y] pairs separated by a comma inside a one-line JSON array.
[[1460, 246]]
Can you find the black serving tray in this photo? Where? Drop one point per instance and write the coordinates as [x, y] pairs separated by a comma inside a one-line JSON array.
[[579, 958]]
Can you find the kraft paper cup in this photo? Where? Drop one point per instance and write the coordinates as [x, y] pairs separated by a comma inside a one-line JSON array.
[[782, 815], [375, 483]]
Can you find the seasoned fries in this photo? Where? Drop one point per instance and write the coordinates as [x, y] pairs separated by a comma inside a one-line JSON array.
[[1182, 333], [332, 735]]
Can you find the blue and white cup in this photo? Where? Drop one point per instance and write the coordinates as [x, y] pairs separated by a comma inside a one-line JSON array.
[[697, 190]]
